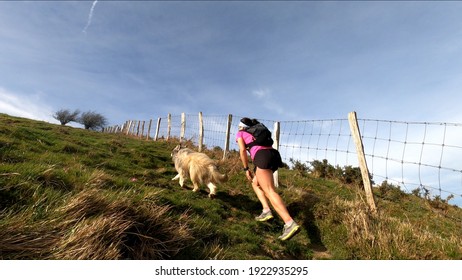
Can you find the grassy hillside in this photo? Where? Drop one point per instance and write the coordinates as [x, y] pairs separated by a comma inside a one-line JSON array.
[[68, 193]]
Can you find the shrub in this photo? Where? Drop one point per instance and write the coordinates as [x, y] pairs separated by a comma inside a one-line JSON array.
[[92, 120], [352, 175], [322, 169], [390, 192], [300, 167], [347, 175], [64, 116], [439, 203]]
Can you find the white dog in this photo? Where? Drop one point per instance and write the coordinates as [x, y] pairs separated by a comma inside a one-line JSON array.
[[198, 167]]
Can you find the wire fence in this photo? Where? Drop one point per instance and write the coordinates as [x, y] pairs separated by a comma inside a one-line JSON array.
[[412, 155]]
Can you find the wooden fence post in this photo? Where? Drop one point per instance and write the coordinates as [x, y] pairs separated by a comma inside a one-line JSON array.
[[149, 129], [201, 131], [138, 128], [228, 129], [157, 129], [362, 160], [183, 127], [169, 125], [132, 131], [276, 133], [142, 129], [129, 125], [124, 126]]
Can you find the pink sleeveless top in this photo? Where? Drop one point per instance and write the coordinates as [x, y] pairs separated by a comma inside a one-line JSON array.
[[248, 138]]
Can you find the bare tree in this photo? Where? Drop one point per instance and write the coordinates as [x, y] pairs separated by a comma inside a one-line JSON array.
[[92, 120], [64, 116]]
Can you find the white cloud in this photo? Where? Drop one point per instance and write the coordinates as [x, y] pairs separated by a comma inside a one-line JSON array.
[[261, 93], [31, 107], [272, 103]]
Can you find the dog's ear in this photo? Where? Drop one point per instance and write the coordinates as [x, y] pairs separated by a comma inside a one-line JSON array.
[[175, 150]]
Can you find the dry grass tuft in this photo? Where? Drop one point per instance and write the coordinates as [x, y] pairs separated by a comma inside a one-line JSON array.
[[95, 226], [118, 229], [21, 240], [383, 237]]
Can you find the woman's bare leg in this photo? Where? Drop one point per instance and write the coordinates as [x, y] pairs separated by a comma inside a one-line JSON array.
[[266, 184], [260, 194]]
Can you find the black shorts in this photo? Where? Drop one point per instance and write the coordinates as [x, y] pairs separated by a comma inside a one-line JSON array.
[[268, 159]]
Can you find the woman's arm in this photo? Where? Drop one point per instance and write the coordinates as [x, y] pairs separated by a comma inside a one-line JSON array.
[[244, 158], [243, 152]]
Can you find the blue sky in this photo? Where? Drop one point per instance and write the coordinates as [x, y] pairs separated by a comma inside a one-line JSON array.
[[271, 60]]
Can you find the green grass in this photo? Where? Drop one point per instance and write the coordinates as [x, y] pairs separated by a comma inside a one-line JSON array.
[[68, 193]]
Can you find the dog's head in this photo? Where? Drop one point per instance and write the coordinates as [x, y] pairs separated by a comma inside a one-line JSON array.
[[175, 150], [180, 151]]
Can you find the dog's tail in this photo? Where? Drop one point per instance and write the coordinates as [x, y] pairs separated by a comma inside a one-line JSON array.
[[217, 176]]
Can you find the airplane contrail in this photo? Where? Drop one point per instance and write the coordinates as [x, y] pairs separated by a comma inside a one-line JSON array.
[[90, 16]]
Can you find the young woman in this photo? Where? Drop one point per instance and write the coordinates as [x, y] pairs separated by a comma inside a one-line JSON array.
[[266, 161]]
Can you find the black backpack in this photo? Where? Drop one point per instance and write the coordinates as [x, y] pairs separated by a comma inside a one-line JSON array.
[[261, 134]]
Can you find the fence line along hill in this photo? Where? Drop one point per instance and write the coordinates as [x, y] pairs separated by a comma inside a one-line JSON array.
[[419, 157]]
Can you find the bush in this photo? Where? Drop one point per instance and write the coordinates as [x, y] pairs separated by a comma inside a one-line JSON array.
[[439, 203], [347, 175], [322, 169], [92, 120], [64, 116], [352, 175], [300, 167], [390, 192]]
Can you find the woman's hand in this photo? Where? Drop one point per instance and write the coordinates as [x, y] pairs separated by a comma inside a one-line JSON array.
[[249, 175]]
